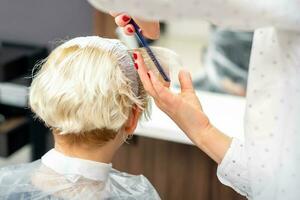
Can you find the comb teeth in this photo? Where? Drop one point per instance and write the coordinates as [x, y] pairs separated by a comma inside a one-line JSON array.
[[158, 66], [150, 53]]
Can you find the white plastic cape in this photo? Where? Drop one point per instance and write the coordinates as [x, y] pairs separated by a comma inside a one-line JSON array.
[[35, 181]]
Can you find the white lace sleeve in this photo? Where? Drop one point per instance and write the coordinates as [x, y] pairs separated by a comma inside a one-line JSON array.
[[233, 170]]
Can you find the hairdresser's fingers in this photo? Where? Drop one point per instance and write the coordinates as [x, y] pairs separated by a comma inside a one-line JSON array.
[[164, 96], [143, 73], [186, 82], [129, 29], [122, 19], [151, 29]]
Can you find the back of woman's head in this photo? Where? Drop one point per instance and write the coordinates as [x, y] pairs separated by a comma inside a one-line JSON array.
[[87, 85]]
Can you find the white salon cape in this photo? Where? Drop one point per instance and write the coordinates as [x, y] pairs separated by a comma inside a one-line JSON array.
[[267, 164], [59, 177]]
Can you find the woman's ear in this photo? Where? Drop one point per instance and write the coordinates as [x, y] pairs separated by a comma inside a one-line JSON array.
[[132, 121]]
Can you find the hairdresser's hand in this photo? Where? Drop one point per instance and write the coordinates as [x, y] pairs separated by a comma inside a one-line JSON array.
[[150, 28], [183, 108]]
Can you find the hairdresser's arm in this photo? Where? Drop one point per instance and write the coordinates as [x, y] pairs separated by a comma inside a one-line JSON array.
[[235, 14], [186, 111]]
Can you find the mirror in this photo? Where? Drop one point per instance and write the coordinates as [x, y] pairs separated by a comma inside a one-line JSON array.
[[217, 58]]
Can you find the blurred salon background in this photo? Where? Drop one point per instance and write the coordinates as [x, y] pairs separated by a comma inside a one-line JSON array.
[[218, 60]]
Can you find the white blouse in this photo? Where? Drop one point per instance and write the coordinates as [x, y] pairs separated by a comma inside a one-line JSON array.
[[266, 165], [75, 168]]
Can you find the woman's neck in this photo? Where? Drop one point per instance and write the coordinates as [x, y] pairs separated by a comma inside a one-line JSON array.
[[102, 154]]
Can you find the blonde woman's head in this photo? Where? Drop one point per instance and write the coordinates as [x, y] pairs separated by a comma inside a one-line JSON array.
[[87, 89], [87, 86]]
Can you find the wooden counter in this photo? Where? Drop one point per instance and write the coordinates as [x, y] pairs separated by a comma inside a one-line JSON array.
[[177, 171]]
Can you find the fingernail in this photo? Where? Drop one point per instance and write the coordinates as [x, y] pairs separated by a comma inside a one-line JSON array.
[[136, 66], [148, 74], [134, 56], [129, 30], [125, 18]]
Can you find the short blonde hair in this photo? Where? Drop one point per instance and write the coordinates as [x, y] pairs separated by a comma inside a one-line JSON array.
[[80, 89]]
